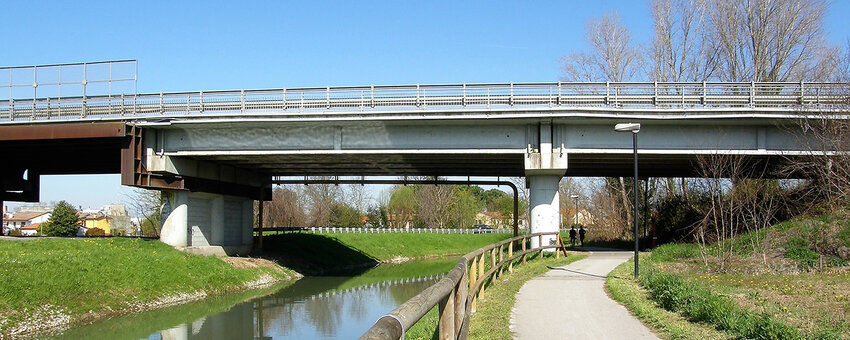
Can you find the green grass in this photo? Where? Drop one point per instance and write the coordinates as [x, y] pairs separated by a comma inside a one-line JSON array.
[[622, 287], [747, 302], [88, 279], [492, 318], [323, 253]]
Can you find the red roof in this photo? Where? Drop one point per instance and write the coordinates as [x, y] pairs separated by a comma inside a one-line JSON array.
[[33, 226], [25, 216]]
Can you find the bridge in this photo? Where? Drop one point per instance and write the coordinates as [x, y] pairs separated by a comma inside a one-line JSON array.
[[213, 152]]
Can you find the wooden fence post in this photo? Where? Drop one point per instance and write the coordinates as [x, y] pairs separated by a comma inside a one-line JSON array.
[[501, 258], [481, 275], [540, 244], [523, 250], [493, 260], [447, 317], [510, 255], [473, 278], [460, 301]]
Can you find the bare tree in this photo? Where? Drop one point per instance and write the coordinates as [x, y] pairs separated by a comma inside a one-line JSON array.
[[770, 40], [433, 202], [320, 198], [682, 47], [613, 55], [285, 209], [147, 205], [357, 197]]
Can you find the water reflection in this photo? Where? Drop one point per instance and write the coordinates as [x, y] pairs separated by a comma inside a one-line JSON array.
[[310, 308]]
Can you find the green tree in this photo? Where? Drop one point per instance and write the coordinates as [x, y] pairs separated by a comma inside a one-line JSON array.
[[403, 206], [464, 208], [377, 216], [63, 221], [344, 216]]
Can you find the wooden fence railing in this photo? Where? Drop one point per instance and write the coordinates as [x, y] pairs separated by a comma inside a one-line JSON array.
[[458, 292]]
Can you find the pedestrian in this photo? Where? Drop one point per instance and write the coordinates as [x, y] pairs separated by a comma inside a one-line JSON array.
[[573, 236], [581, 233]]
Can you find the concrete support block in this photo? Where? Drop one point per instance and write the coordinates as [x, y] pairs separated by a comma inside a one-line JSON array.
[[207, 224], [175, 215], [217, 220], [544, 204], [247, 222]]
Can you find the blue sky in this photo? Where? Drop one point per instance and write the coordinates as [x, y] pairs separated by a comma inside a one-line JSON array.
[[210, 45]]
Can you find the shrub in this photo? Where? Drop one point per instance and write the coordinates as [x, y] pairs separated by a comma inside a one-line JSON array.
[[15, 232], [63, 222], [677, 216], [95, 232], [700, 304]]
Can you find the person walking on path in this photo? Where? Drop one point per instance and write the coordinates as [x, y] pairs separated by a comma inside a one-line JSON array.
[[573, 236], [581, 233]]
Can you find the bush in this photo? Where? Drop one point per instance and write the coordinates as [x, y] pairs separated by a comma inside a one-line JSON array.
[[15, 232], [63, 222], [702, 305], [95, 232], [677, 216]]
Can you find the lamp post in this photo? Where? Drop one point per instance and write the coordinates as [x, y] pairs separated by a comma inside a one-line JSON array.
[[634, 128], [575, 199]]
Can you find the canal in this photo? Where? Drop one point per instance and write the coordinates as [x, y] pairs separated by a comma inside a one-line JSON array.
[[322, 307]]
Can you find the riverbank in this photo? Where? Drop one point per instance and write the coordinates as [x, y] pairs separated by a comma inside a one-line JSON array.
[[312, 254], [793, 287], [53, 283]]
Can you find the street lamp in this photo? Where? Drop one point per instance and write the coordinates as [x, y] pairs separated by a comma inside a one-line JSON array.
[[634, 128], [575, 199]]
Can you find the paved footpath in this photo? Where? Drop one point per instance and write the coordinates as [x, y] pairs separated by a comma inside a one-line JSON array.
[[569, 302]]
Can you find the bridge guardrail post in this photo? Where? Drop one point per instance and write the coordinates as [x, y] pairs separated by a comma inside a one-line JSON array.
[[752, 93]]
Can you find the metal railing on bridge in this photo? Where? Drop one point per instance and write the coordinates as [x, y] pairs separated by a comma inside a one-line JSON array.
[[366, 230], [301, 102]]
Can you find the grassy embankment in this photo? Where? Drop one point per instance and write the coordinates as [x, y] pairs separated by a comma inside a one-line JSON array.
[[50, 283], [797, 288], [320, 253]]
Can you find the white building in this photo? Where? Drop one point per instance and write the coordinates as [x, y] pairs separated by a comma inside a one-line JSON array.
[[24, 221]]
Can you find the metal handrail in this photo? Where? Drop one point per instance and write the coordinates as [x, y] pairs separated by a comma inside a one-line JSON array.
[[452, 293], [363, 99]]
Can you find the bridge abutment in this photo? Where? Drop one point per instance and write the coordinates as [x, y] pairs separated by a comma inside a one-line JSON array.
[[207, 224]]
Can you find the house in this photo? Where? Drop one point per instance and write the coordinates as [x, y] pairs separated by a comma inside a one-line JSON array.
[[494, 219], [19, 220], [569, 217], [98, 220], [30, 230]]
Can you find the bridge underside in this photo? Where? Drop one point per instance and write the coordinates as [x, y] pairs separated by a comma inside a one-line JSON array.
[[489, 165]]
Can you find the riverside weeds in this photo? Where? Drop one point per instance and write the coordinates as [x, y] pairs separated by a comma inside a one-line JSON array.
[[622, 287], [49, 283], [749, 303]]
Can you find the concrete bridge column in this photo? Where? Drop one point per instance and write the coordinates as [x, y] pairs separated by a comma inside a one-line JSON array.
[[544, 205], [207, 224], [544, 167]]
